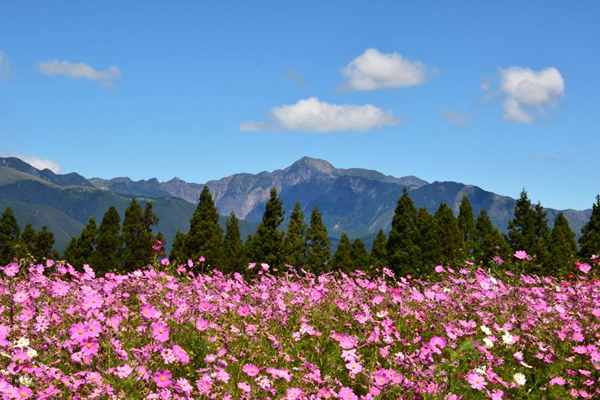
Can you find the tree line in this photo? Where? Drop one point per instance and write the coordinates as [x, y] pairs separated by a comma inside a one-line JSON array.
[[417, 242]]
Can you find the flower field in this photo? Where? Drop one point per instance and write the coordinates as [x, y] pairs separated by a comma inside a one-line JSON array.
[[175, 333]]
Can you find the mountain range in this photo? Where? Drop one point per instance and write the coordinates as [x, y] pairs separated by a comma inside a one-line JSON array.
[[356, 201]]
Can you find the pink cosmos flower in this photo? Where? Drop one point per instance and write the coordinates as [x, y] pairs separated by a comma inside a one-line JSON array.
[[78, 332], [521, 255], [202, 324], [20, 297], [60, 288], [584, 267], [163, 378], [202, 259], [165, 261], [293, 394], [123, 371], [180, 354], [251, 265], [477, 381], [148, 311], [243, 310], [92, 302], [439, 268], [250, 369], [244, 386], [160, 331], [11, 269], [347, 394], [438, 342]]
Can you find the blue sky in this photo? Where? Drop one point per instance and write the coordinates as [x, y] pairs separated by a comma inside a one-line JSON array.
[[503, 95]]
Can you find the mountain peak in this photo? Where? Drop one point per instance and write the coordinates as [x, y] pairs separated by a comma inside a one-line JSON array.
[[314, 164]]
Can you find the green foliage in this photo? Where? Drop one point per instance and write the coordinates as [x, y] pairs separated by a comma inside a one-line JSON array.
[[233, 246], [27, 243], [521, 230], [10, 234], [589, 241], [541, 250], [137, 236], [488, 241], [342, 259], [267, 243], [86, 244], [177, 254], [205, 237], [378, 257], [563, 248], [429, 241], [318, 249], [402, 251], [466, 224], [294, 243], [451, 237], [109, 243], [44, 243], [359, 255]]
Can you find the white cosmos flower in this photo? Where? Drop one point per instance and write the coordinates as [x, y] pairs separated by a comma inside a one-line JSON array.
[[488, 342], [32, 352], [508, 338], [22, 342], [486, 330], [519, 378]]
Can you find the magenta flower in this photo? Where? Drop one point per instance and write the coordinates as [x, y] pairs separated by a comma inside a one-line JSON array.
[[180, 354], [559, 380], [521, 255], [160, 331], [584, 267], [243, 311], [11, 269], [93, 301], [250, 369], [438, 342], [163, 378], [476, 381], [148, 311]]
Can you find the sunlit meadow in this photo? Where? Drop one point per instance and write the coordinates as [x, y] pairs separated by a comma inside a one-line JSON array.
[[182, 332]]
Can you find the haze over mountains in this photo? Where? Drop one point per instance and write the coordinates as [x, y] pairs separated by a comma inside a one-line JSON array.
[[356, 201]]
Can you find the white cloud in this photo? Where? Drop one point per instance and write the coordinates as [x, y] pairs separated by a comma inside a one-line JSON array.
[[80, 71], [455, 118], [313, 115], [530, 92], [374, 70], [38, 162]]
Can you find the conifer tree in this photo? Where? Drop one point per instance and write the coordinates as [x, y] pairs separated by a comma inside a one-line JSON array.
[[294, 243], [522, 230], [205, 237], [563, 248], [137, 236], [450, 235], [489, 241], [109, 243], [402, 251], [466, 224], [268, 241], [44, 243], [70, 253], [86, 244], [378, 257], [178, 250], [234, 247], [9, 236], [248, 249], [342, 259], [541, 250], [359, 255], [589, 241], [429, 240], [318, 249], [27, 243]]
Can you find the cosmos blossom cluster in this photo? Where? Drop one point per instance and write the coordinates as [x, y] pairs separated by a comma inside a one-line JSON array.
[[165, 332]]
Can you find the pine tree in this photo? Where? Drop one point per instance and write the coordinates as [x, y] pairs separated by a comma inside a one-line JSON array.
[[205, 237], [294, 243], [234, 247], [9, 236], [429, 241], [359, 255], [178, 250], [541, 250], [378, 257], [109, 243], [86, 244], [466, 224], [71, 251], [402, 251], [268, 241], [318, 249], [137, 236], [450, 235], [43, 244], [563, 248], [27, 243], [589, 241], [521, 230], [342, 259], [489, 241]]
